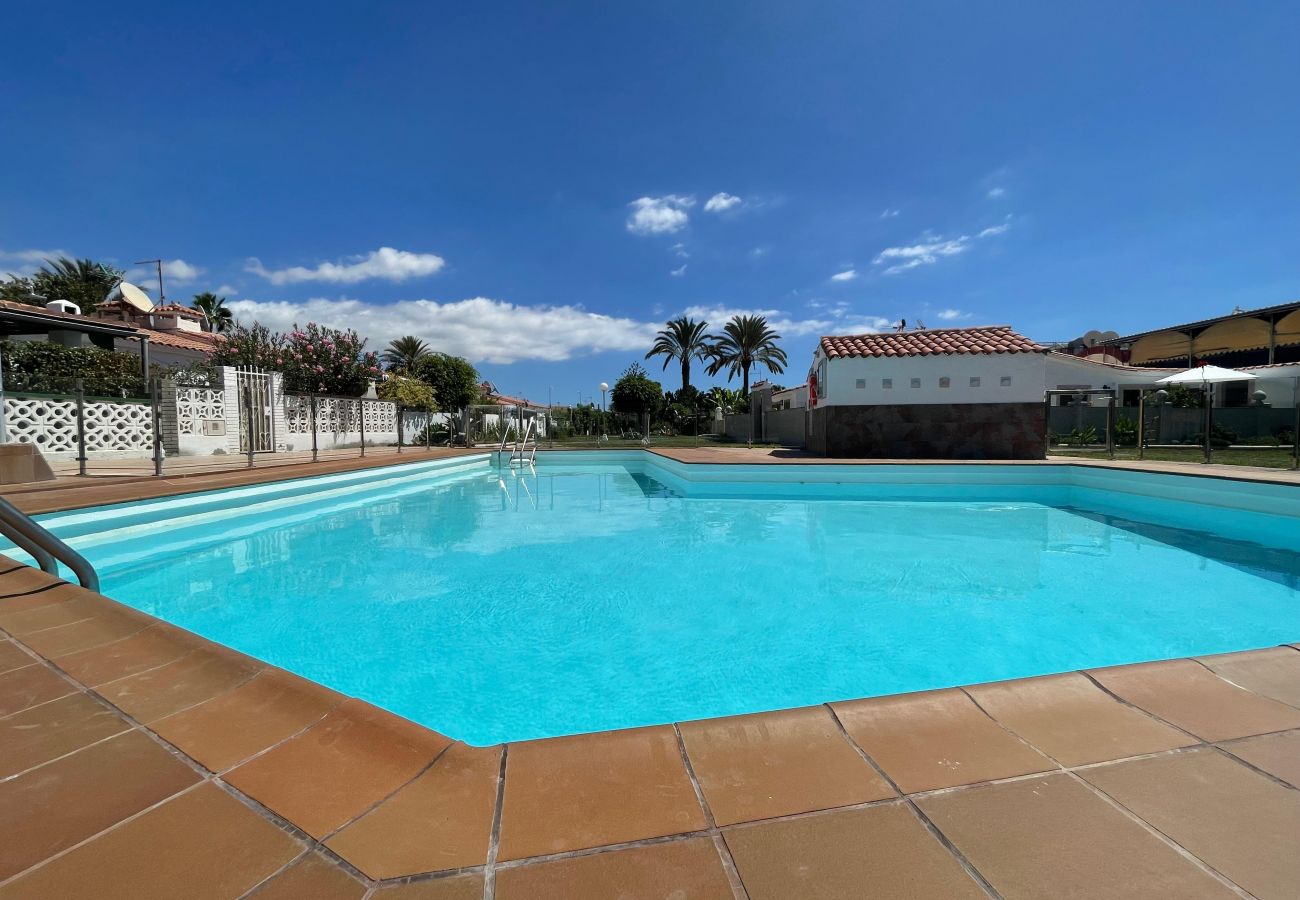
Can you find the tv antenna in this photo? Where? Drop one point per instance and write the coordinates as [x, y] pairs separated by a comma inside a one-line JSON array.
[[162, 298]]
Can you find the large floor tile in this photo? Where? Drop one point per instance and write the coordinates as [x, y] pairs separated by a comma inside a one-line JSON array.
[[681, 870], [936, 739], [589, 790], [61, 804], [880, 851], [1053, 837], [442, 820], [152, 647], [202, 844], [1276, 754], [773, 764], [73, 605], [340, 767], [194, 678], [23, 579], [107, 625], [13, 657], [1243, 824], [1274, 672], [30, 685], [456, 887], [260, 713], [313, 877], [52, 729], [1072, 720], [1193, 698]]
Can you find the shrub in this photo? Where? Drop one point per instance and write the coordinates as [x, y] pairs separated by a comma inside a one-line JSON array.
[[635, 392], [1126, 433], [409, 392], [454, 381], [52, 369], [327, 361]]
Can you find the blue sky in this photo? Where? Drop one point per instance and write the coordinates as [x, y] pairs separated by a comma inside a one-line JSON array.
[[538, 186]]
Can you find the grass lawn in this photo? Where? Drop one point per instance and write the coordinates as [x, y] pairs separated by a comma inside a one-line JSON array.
[[1264, 457]]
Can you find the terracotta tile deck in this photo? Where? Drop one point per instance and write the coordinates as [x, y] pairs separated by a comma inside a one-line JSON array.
[[138, 760]]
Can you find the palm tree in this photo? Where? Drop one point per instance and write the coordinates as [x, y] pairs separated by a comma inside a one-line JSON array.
[[683, 340], [214, 309], [402, 354], [744, 341], [81, 281]]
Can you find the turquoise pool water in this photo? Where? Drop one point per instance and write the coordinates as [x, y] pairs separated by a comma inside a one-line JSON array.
[[594, 594]]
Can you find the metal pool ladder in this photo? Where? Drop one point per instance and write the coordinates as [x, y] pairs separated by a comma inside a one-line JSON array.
[[522, 455], [43, 546]]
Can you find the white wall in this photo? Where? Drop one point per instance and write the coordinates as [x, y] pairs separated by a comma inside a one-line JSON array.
[[1026, 371]]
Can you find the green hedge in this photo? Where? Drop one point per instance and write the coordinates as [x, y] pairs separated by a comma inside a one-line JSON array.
[[42, 367]]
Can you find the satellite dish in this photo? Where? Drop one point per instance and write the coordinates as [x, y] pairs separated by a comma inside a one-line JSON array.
[[133, 296]]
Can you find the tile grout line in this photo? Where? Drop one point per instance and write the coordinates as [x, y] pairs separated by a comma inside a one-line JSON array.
[[389, 796], [1249, 690], [1146, 712], [1124, 810], [494, 835], [276, 874], [926, 822], [1254, 768], [720, 845]]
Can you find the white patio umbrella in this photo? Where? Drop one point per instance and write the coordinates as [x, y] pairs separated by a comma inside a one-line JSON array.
[[1206, 376]]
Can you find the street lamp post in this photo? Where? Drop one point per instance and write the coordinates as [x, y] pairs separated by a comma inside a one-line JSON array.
[[603, 388]]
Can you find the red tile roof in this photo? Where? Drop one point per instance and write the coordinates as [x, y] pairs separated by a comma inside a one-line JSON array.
[[930, 342], [203, 341]]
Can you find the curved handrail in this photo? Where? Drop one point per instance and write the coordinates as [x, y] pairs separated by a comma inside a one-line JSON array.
[[44, 546]]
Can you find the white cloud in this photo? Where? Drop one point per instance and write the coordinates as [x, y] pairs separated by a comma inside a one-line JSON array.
[[659, 215], [996, 192], [840, 321], [679, 250], [846, 275], [759, 252], [226, 290], [174, 270], [678, 272], [386, 263], [951, 315], [721, 202], [480, 329], [25, 262], [890, 213], [930, 250]]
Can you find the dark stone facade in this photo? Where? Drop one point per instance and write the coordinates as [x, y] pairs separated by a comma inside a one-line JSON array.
[[930, 431]]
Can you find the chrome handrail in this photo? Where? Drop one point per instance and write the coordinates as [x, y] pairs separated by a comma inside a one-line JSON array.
[[44, 546]]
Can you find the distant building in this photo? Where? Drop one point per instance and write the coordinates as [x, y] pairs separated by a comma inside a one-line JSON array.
[[1241, 339]]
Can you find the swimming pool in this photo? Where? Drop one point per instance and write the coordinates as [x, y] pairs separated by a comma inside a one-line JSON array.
[[616, 589]]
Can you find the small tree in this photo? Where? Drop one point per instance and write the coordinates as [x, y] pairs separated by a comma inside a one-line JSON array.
[[409, 392], [634, 392], [402, 354], [215, 311], [454, 381], [251, 345], [327, 360]]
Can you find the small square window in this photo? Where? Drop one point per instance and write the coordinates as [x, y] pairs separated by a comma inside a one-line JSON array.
[[945, 381], [1006, 381], [862, 383], [916, 382], [974, 381], [887, 383]]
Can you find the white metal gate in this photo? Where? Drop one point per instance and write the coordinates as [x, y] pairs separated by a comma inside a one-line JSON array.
[[256, 411]]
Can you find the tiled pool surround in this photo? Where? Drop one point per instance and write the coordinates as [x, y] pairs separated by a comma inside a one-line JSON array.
[[137, 759]]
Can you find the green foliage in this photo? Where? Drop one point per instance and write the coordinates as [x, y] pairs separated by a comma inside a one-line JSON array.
[[214, 309], [402, 354], [1184, 397], [251, 345], [1081, 437], [1126, 433], [1219, 436], [327, 361], [409, 392], [81, 281], [732, 402], [682, 340], [634, 392], [47, 368], [196, 374], [455, 382], [746, 341]]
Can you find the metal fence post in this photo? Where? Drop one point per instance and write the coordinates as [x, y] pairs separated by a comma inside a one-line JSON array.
[[361, 424], [1209, 421], [311, 416], [79, 391], [1295, 427], [1047, 424], [428, 429], [401, 411], [1110, 425], [155, 395], [246, 397]]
